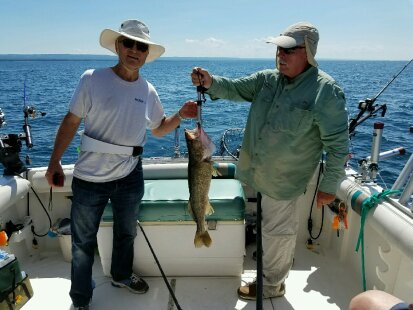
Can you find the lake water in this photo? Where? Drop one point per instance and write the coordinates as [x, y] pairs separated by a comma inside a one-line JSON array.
[[50, 85]]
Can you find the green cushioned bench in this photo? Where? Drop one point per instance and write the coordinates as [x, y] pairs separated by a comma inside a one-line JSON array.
[[167, 201]]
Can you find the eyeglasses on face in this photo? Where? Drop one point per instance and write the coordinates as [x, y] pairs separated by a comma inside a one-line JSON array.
[[128, 43], [290, 50]]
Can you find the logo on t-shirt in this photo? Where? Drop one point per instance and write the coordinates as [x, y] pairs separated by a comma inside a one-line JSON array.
[[139, 100]]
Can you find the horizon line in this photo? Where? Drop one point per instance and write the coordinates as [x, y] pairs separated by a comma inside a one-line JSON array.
[[61, 56]]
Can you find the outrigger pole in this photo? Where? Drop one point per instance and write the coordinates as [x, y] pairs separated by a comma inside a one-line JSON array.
[[367, 105]]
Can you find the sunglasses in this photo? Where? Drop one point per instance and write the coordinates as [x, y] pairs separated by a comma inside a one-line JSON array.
[[128, 43], [290, 50]]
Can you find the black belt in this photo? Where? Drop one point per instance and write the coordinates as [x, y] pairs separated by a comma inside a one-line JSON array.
[[137, 151]]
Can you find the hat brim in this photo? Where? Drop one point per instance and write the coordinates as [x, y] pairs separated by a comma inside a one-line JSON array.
[[285, 41], [108, 38], [289, 42]]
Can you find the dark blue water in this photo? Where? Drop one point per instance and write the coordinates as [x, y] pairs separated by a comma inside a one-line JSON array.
[[50, 84]]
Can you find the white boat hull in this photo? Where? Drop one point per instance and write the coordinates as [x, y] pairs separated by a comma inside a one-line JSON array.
[[328, 275]]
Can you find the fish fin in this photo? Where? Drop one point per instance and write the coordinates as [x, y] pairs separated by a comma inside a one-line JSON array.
[[201, 239], [209, 209], [215, 172], [209, 147], [190, 209]]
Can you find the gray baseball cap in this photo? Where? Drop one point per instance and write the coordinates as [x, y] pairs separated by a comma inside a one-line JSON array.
[[299, 34]]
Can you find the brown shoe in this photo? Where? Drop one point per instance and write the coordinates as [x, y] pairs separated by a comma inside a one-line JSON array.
[[249, 291]]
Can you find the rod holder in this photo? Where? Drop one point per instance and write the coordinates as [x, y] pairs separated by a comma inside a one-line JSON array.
[[375, 149], [390, 153]]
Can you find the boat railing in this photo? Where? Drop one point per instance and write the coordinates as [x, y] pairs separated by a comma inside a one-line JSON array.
[[369, 169], [390, 219], [405, 179]]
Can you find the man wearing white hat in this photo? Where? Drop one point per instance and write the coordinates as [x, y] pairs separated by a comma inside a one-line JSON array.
[[117, 105], [297, 113]]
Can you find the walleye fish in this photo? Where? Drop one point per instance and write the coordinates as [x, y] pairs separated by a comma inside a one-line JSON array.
[[200, 171]]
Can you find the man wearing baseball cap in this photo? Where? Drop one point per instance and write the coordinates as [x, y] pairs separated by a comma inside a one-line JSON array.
[[297, 112]]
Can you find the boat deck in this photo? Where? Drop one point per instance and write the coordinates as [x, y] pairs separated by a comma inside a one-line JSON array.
[[317, 279]]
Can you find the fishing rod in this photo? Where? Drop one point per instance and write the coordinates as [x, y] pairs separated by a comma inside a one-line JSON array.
[[10, 144], [368, 104], [28, 111], [160, 268]]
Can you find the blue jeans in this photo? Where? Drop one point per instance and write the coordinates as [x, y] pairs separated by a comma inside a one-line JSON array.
[[88, 204]]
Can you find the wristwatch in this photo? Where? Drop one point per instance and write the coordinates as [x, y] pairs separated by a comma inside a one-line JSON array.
[[177, 114]]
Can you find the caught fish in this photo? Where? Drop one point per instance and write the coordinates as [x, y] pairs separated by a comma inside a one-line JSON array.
[[200, 171]]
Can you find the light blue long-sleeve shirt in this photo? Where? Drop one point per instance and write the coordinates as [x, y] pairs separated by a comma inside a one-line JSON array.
[[290, 123]]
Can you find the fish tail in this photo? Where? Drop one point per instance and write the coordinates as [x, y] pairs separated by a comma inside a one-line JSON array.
[[202, 238]]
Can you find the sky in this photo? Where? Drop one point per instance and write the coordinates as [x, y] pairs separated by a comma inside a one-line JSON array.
[[349, 29]]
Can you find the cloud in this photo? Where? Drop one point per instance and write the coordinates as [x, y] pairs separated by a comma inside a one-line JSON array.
[[208, 42], [218, 47]]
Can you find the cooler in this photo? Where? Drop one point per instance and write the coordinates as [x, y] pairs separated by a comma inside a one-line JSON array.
[[171, 230]]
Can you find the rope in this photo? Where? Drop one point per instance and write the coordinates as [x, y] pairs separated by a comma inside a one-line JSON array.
[[366, 206]]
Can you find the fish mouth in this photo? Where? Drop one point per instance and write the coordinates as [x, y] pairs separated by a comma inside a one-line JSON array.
[[192, 134]]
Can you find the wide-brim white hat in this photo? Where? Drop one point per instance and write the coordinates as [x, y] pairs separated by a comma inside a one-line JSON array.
[[135, 30]]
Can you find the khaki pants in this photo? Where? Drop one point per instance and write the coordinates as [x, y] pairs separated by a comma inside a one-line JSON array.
[[279, 233]]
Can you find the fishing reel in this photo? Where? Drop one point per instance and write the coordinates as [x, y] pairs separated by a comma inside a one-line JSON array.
[[11, 144], [368, 106]]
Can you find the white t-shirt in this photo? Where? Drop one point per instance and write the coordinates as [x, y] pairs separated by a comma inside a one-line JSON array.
[[114, 111]]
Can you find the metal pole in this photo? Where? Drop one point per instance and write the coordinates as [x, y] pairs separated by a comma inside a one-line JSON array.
[[199, 104], [259, 254], [177, 152], [375, 149], [404, 174], [407, 192]]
